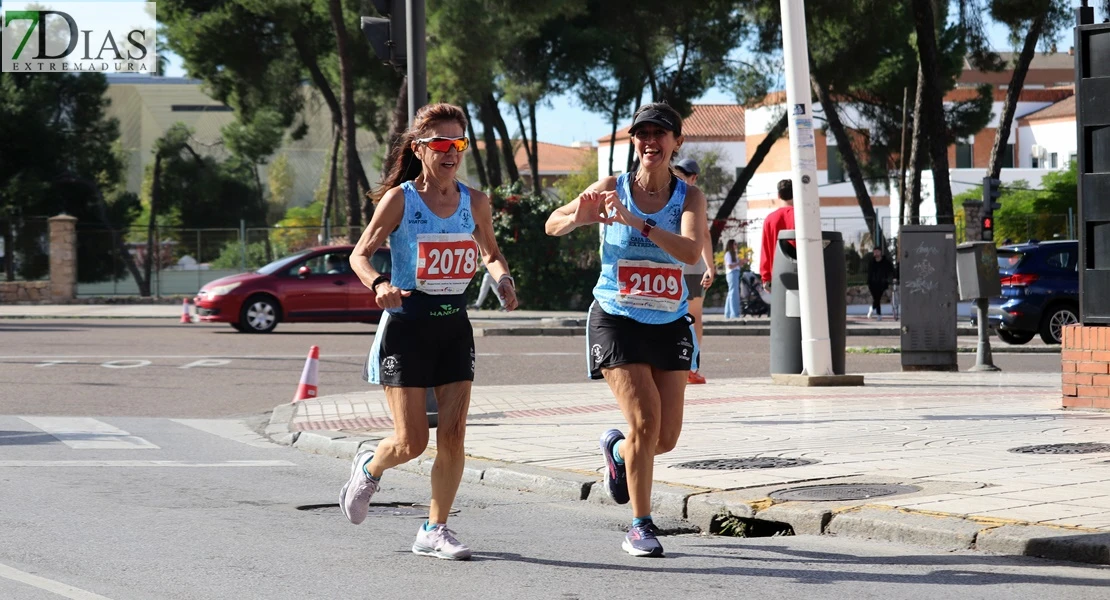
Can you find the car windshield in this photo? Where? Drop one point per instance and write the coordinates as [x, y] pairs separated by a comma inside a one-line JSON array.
[[1009, 259], [281, 263]]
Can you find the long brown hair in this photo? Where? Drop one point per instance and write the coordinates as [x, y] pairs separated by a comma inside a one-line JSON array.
[[401, 164]]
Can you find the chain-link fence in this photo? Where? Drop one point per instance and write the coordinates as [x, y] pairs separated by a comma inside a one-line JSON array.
[[113, 263]]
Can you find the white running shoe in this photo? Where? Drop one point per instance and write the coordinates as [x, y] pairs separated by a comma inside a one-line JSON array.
[[354, 498], [440, 542]]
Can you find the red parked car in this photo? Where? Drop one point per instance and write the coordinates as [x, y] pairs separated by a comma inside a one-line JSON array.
[[314, 285]]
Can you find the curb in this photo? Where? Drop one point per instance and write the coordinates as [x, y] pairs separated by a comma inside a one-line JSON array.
[[700, 507]]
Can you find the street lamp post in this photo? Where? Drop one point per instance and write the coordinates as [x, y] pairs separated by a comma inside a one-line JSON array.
[[816, 345]]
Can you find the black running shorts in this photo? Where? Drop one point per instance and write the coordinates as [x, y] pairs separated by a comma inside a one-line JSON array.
[[423, 353], [613, 340]]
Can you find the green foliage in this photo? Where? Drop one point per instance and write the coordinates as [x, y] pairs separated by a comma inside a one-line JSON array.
[[58, 151], [1028, 213], [281, 180], [551, 273], [299, 228], [231, 256], [713, 180], [570, 186]]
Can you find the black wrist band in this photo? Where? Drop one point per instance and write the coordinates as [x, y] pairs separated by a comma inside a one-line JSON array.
[[378, 280]]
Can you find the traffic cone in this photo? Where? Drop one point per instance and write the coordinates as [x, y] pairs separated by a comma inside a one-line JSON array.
[[307, 387], [185, 318]]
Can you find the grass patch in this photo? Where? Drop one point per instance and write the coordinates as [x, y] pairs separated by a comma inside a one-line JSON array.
[[732, 526]]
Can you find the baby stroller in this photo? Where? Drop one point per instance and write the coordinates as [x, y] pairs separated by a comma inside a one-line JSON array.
[[751, 296]]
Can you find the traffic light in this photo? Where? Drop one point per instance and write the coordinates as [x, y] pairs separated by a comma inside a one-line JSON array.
[[991, 191], [387, 35]]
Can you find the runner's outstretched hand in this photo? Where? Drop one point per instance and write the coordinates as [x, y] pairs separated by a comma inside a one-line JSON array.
[[591, 209]]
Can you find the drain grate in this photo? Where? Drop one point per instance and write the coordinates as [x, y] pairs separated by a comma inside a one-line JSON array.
[[737, 464], [1081, 448], [385, 509], [842, 491]]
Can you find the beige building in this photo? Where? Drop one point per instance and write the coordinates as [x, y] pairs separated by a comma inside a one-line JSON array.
[[147, 106]]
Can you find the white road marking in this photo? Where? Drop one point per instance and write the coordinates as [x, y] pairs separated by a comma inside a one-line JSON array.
[[229, 429], [120, 364], [42, 583], [206, 362], [36, 464], [88, 434], [55, 362]]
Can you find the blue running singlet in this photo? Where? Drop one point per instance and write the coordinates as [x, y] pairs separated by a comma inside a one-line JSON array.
[[435, 258], [639, 280]]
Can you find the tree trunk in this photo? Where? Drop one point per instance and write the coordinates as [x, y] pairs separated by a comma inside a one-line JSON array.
[[308, 57], [493, 163], [534, 159], [155, 193], [398, 123], [262, 206], [1017, 80], [330, 199], [913, 197], [475, 151], [532, 168], [347, 91], [613, 134], [934, 108], [851, 163], [631, 146], [741, 184], [507, 152]]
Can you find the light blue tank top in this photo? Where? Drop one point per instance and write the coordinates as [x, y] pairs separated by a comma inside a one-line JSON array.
[[419, 219], [625, 243]]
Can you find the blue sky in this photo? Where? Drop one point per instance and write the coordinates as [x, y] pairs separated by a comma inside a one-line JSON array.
[[565, 121]]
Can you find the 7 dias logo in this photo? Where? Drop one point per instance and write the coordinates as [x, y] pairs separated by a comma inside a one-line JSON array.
[[71, 37]]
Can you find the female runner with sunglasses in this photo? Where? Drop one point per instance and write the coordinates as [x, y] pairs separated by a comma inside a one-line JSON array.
[[638, 335], [439, 231]]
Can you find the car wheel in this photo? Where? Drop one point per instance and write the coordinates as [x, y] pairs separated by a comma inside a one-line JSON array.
[[1053, 323], [1015, 337], [260, 314]]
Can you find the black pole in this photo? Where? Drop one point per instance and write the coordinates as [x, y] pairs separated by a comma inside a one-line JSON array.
[[417, 56]]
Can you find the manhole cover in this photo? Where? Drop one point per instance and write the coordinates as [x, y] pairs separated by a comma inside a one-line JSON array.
[[385, 509], [1083, 448], [842, 491], [736, 464]]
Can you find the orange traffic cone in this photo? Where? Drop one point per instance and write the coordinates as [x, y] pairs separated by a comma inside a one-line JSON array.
[[185, 318], [307, 387]]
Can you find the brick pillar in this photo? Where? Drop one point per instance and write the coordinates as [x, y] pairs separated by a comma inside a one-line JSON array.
[[1085, 356], [63, 258], [972, 226]]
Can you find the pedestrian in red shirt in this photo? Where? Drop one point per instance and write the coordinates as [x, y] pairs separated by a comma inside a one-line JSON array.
[[781, 218]]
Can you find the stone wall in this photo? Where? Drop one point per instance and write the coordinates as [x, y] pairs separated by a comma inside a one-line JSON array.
[[1085, 361], [12, 292], [859, 294]]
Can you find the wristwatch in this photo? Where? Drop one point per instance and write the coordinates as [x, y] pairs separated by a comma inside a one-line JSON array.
[[649, 224]]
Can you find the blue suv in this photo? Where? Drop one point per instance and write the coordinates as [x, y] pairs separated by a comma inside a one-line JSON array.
[[1040, 291]]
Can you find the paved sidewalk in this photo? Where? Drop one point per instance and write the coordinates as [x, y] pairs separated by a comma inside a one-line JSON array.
[[948, 434]]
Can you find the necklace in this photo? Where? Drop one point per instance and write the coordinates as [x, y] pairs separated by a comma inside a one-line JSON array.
[[650, 192]]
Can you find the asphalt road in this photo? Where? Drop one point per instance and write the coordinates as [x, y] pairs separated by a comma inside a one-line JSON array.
[[206, 510], [157, 368]]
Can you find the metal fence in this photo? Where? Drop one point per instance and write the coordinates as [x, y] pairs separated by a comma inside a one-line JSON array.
[[183, 260]]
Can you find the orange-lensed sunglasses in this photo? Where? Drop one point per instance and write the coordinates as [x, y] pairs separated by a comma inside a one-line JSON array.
[[443, 144]]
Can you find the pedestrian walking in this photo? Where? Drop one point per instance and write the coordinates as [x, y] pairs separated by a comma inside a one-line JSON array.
[[489, 284], [699, 276], [439, 232], [781, 218], [879, 274], [639, 337], [733, 266]]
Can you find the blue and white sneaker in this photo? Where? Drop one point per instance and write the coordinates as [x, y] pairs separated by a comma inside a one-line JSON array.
[[354, 498], [616, 482], [641, 541]]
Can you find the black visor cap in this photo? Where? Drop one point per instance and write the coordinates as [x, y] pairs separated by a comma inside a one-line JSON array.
[[656, 117]]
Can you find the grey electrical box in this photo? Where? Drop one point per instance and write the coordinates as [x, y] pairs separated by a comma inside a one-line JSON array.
[[977, 270], [926, 268]]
